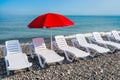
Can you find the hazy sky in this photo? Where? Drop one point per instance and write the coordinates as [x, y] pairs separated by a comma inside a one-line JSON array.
[[67, 7]]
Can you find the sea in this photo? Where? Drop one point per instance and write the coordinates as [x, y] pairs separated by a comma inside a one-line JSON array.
[[16, 26]]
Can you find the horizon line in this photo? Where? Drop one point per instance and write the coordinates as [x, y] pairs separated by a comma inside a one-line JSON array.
[[70, 14]]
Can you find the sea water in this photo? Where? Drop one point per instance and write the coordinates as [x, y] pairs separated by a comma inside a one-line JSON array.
[[16, 26]]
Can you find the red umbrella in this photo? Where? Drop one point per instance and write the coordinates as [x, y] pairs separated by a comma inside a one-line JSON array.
[[50, 20]]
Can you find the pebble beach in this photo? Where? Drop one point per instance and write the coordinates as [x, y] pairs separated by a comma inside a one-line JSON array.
[[101, 67], [89, 21]]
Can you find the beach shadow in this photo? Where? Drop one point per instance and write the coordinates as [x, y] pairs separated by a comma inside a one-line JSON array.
[[2, 68], [35, 63]]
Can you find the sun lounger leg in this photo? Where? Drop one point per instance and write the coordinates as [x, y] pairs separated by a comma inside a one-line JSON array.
[[73, 42], [91, 40], [106, 46], [6, 64], [30, 69], [7, 72], [92, 55], [55, 47], [60, 62], [31, 49], [87, 49], [109, 37], [67, 57], [40, 61], [113, 50]]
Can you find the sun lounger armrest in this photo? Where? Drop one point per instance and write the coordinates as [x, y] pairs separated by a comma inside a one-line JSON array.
[[74, 41], [55, 46], [91, 39], [6, 61], [4, 51], [31, 49], [110, 37]]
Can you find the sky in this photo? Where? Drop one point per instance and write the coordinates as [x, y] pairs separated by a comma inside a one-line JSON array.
[[66, 7]]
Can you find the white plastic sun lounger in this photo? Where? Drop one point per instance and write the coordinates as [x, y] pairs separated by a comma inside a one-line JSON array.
[[62, 45], [99, 40], [48, 56], [116, 35], [83, 43], [14, 58]]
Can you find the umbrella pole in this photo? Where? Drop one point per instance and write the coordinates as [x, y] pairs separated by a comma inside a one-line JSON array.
[[51, 38]]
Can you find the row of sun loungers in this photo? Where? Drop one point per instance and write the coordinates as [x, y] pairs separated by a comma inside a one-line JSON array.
[[15, 59], [82, 42]]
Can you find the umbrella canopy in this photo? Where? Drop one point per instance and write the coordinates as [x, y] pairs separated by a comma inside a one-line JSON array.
[[50, 20]]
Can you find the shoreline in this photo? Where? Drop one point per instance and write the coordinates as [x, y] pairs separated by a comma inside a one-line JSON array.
[[28, 40]]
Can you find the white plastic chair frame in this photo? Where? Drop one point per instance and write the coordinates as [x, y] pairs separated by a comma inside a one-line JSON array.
[[40, 45], [60, 40], [11, 47]]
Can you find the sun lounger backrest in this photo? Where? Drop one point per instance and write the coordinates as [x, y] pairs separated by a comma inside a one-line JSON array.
[[115, 34], [81, 39], [39, 44], [13, 46], [60, 40], [97, 36]]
